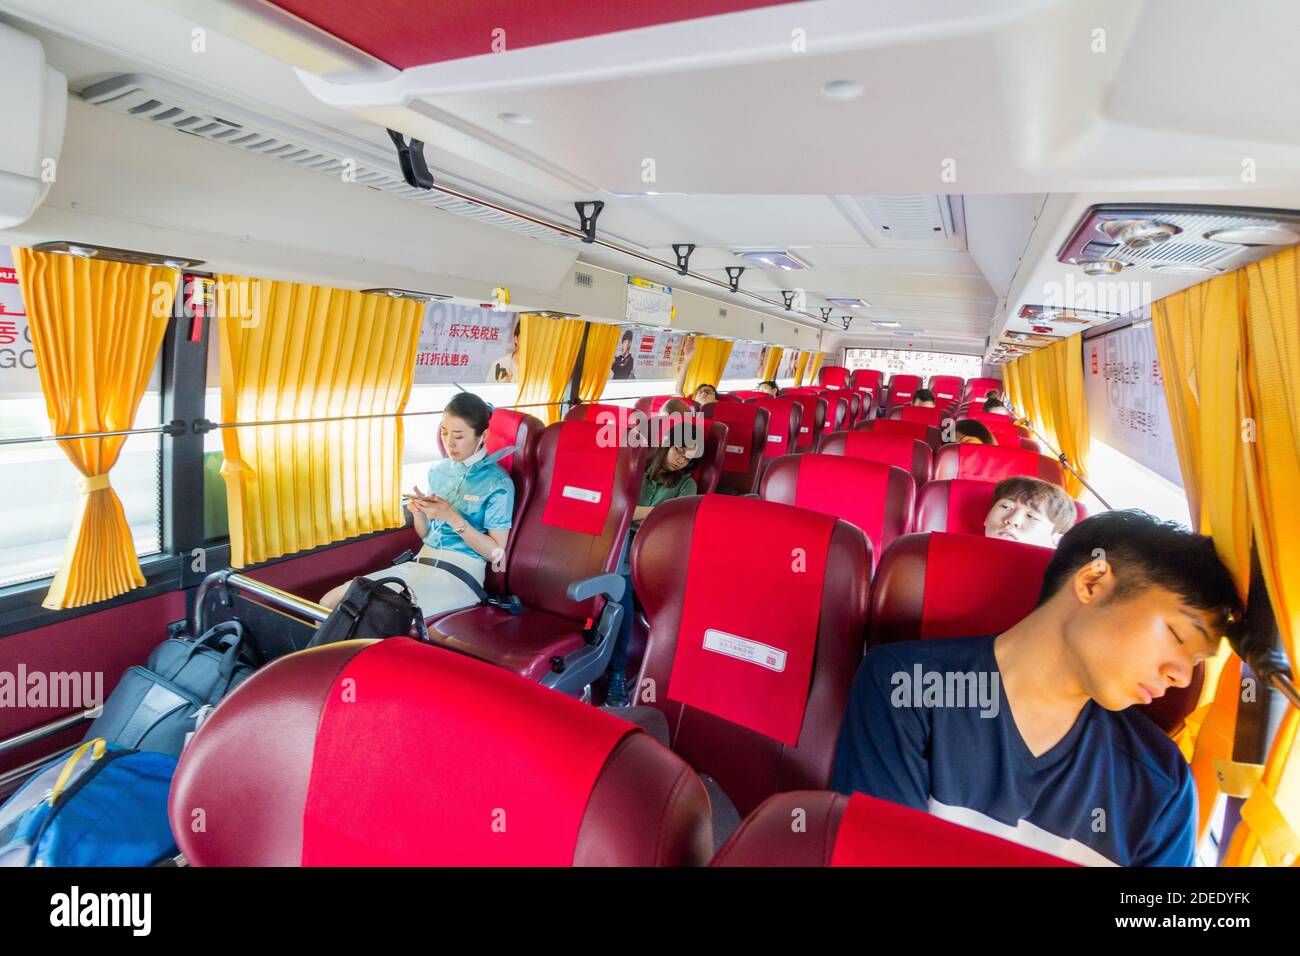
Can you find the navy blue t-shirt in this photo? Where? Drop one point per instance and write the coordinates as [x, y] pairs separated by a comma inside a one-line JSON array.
[[1114, 790]]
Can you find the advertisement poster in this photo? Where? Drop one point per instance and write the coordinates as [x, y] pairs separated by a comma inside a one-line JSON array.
[[912, 362], [17, 360], [1126, 399], [745, 360], [644, 355], [460, 343]]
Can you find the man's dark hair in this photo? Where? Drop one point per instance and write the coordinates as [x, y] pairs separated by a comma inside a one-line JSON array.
[[1052, 500], [700, 388], [923, 395], [626, 337], [771, 383], [993, 403], [1145, 552], [968, 428]]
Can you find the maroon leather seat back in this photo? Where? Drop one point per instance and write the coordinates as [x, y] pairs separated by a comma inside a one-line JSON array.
[[758, 616], [833, 375], [911, 455], [709, 469], [837, 412], [390, 753], [933, 585], [547, 557], [855, 409], [784, 420], [746, 441], [871, 832], [995, 462], [960, 505], [896, 426], [875, 497], [902, 389], [947, 389], [811, 421]]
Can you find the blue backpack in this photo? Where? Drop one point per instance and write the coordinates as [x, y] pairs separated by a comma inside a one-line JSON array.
[[103, 805]]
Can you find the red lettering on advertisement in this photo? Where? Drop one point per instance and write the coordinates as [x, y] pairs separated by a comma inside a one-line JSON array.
[[8, 275], [8, 332], [1094, 360]]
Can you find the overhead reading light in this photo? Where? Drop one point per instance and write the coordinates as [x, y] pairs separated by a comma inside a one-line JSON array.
[[1139, 233], [1255, 236], [406, 294], [519, 119], [882, 324], [109, 254], [1101, 267], [842, 89], [1181, 269], [778, 261], [560, 315], [850, 303]]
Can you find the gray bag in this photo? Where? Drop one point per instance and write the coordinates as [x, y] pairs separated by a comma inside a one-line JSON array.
[[157, 706]]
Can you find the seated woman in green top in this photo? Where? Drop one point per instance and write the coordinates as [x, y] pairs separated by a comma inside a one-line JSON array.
[[667, 476]]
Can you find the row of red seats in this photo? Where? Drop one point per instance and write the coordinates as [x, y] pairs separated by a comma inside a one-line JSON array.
[[749, 661]]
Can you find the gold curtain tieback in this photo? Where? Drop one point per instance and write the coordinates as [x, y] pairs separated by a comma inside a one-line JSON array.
[[88, 483]]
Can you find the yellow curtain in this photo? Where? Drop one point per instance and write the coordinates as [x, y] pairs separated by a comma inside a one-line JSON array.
[[548, 349], [1270, 442], [773, 362], [96, 330], [706, 365], [1011, 384], [1055, 401], [816, 367], [801, 365], [292, 351], [602, 344]]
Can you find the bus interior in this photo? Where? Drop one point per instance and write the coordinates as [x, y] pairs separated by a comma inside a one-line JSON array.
[[251, 250]]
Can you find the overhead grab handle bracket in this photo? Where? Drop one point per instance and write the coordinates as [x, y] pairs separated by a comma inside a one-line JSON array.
[[847, 320], [733, 277], [411, 158], [683, 252], [788, 296], [826, 314], [587, 220]]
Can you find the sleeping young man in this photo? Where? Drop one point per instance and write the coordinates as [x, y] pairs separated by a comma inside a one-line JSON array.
[[1055, 755]]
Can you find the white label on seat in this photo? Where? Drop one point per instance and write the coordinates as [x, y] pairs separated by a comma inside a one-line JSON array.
[[775, 438], [582, 494], [803, 430], [735, 449], [743, 649]]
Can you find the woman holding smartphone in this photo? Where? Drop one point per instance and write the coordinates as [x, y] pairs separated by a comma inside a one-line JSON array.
[[465, 518]]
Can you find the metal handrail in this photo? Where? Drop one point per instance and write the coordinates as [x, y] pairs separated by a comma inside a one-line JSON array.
[[1065, 461], [48, 730], [257, 592]]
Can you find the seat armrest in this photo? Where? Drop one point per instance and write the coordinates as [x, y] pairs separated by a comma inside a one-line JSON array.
[[610, 585]]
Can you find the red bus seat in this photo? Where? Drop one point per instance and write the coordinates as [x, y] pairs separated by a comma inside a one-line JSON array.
[[995, 462], [811, 422], [415, 770], [650, 404], [574, 529], [747, 395], [909, 454], [918, 413], [867, 378], [932, 585], [960, 505], [977, 388], [835, 375], [753, 675], [875, 497], [896, 426], [745, 446], [902, 389], [864, 831], [784, 419], [709, 469], [947, 389], [837, 412]]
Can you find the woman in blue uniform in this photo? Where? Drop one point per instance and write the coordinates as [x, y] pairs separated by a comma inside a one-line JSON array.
[[465, 518]]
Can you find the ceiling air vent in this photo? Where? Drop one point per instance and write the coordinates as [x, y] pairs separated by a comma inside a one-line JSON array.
[[583, 279], [909, 217], [1177, 239], [324, 151]]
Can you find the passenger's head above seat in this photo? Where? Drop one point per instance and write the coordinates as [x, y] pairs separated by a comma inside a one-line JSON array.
[[924, 398], [465, 420], [705, 395], [1138, 602], [769, 387], [1029, 510], [676, 406], [968, 432]]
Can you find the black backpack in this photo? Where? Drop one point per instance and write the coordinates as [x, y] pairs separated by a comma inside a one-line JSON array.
[[371, 609]]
